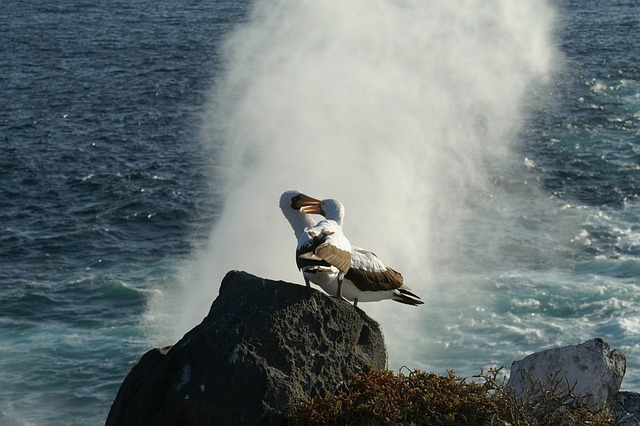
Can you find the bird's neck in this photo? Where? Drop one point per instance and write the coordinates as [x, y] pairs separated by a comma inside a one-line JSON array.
[[299, 221]]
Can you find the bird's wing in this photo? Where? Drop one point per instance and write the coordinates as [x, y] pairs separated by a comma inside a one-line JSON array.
[[328, 242], [368, 273], [335, 255]]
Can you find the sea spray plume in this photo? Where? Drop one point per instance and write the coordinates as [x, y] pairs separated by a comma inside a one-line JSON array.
[[367, 279], [403, 106]]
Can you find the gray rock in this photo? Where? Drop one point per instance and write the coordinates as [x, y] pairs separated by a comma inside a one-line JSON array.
[[264, 347], [590, 370]]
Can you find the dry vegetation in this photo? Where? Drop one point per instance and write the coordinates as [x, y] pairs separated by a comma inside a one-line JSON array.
[[373, 397]]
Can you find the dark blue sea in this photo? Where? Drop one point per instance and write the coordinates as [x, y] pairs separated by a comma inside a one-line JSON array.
[[490, 152]]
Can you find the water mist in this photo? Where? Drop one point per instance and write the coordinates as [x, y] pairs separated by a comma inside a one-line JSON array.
[[394, 107]]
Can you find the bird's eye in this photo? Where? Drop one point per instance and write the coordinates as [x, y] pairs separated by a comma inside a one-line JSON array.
[[294, 202]]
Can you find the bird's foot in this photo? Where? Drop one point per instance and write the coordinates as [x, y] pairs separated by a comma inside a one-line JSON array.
[[308, 284]]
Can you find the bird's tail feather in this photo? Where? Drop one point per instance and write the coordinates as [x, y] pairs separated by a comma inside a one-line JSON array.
[[407, 297]]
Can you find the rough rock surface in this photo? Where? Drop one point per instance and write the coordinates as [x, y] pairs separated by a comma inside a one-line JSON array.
[[592, 369], [628, 408], [264, 346]]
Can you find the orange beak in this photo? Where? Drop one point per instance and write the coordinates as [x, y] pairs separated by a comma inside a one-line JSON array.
[[307, 204], [313, 209]]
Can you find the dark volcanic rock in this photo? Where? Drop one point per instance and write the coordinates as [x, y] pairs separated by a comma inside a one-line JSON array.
[[264, 346], [628, 408]]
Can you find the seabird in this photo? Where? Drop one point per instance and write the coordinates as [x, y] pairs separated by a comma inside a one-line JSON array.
[[327, 243], [314, 268], [368, 279]]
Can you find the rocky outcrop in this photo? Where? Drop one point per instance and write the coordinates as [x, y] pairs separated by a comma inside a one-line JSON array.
[[267, 345], [591, 371], [264, 347]]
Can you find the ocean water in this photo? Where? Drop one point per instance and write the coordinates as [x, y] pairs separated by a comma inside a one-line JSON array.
[[491, 153]]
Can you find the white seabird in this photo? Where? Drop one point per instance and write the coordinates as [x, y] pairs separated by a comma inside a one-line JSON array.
[[314, 269], [368, 278], [328, 243]]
